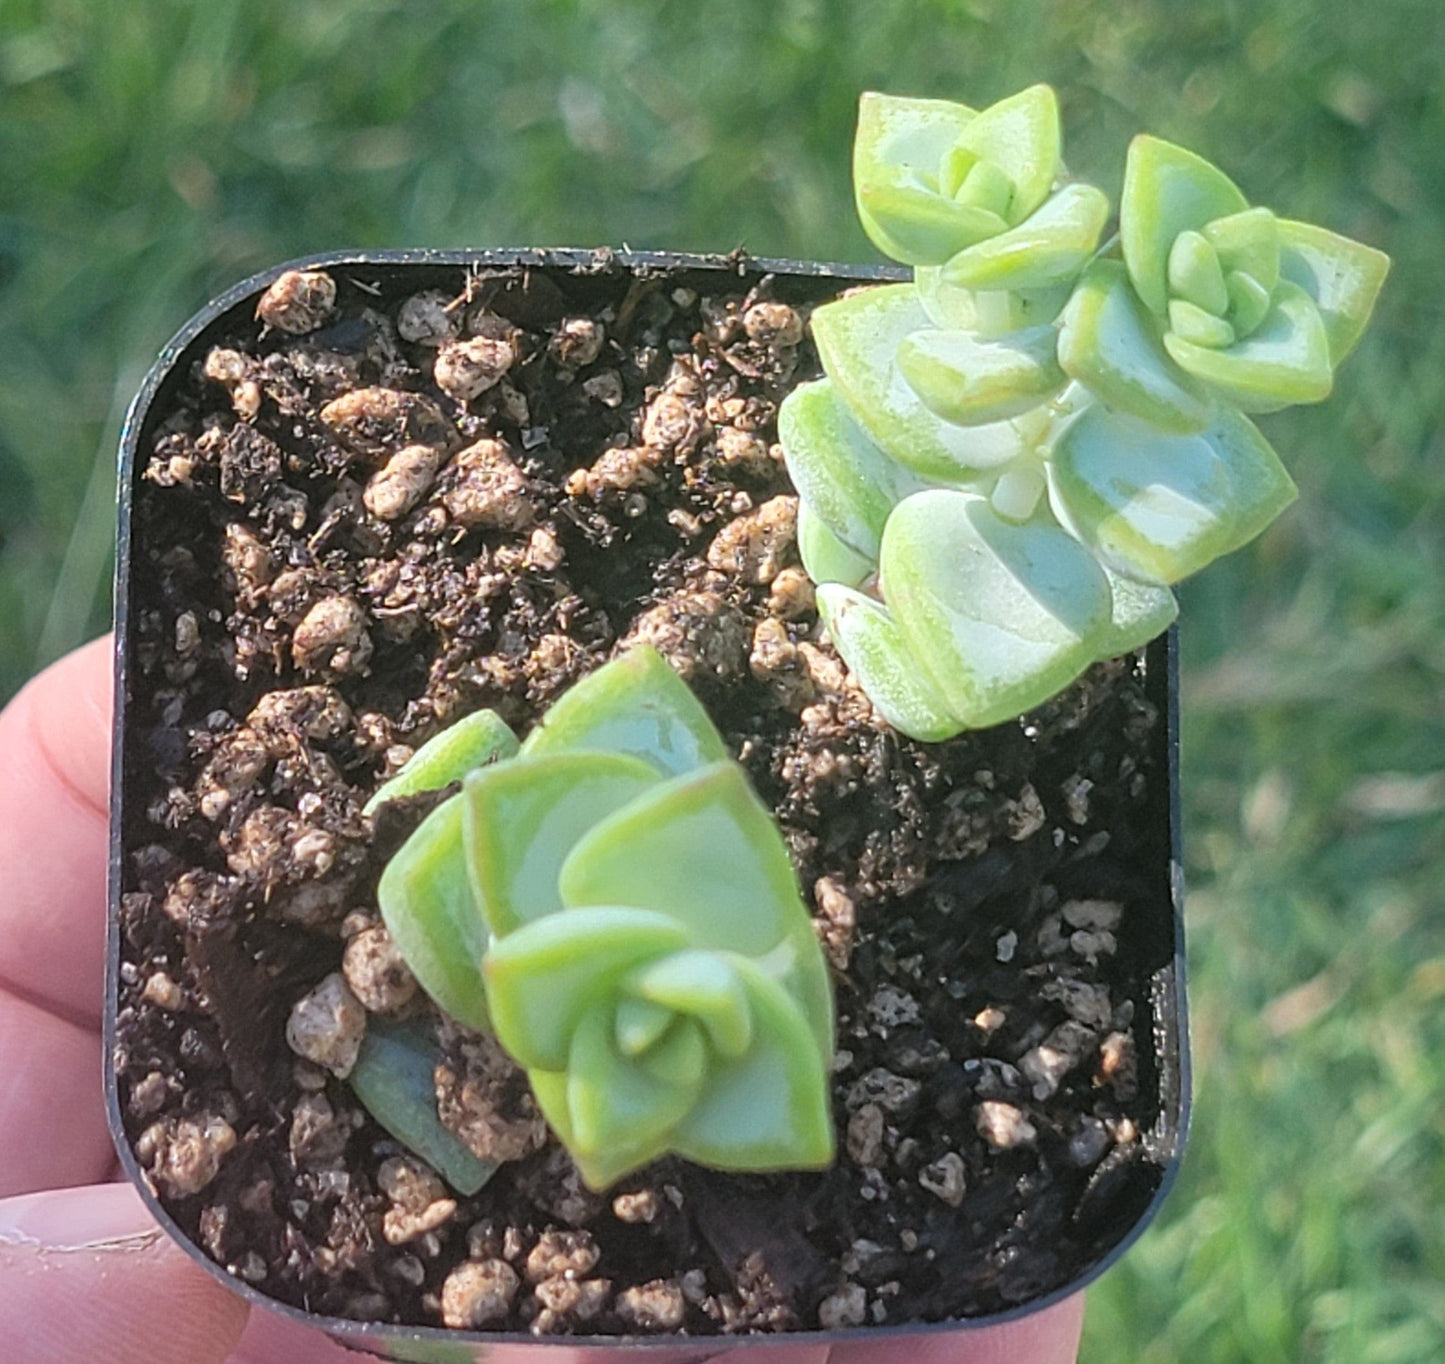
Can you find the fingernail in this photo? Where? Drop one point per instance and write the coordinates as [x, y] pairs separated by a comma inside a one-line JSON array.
[[97, 1217]]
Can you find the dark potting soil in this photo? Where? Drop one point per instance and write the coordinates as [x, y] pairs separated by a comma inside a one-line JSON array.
[[366, 516]]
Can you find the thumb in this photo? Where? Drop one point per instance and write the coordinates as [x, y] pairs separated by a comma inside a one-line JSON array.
[[87, 1274]]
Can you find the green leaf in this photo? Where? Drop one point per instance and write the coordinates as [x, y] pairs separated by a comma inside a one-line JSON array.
[[1111, 345], [1019, 135], [1286, 359], [426, 901], [1195, 274], [472, 742], [1140, 612], [1192, 323], [602, 1169], [918, 226], [639, 1023], [703, 850], [768, 1108], [1248, 241], [700, 848], [522, 819], [393, 1079], [826, 559], [858, 338], [612, 1098], [636, 705], [846, 480], [702, 985], [1052, 244], [1167, 190], [985, 186], [1157, 508], [999, 616], [544, 977], [988, 312], [899, 147], [1249, 301], [873, 646], [1343, 277], [965, 380]]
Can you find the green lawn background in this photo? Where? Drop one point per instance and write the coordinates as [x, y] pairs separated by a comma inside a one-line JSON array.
[[155, 152]]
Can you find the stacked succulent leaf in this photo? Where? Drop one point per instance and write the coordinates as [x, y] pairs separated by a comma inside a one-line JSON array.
[[613, 901], [1013, 458]]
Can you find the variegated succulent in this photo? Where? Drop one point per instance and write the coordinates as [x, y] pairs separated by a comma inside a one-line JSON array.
[[613, 901], [1014, 457]]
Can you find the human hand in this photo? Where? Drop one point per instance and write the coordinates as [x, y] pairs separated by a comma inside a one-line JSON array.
[[85, 1272]]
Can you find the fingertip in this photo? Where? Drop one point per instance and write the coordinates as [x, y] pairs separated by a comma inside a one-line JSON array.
[[69, 707], [87, 1274]]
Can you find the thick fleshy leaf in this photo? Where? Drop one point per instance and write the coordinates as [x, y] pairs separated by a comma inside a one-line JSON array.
[[1249, 301], [969, 381], [393, 1078], [841, 475], [700, 848], [543, 978], [639, 1023], [1139, 612], [1109, 343], [898, 150], [1020, 135], [1052, 244], [636, 705], [768, 1108], [1000, 616], [426, 900], [858, 338], [983, 184], [1248, 241], [1190, 322], [1344, 278], [612, 1098], [873, 646], [703, 985], [826, 559], [472, 742], [1167, 190], [602, 1170], [1195, 274], [1286, 359], [986, 312], [703, 850], [522, 819], [1157, 508], [917, 225]]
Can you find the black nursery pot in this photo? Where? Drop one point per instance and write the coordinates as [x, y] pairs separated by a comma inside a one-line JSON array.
[[1131, 1192]]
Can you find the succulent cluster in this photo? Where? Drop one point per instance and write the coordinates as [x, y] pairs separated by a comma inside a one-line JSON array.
[[613, 902], [1013, 458]]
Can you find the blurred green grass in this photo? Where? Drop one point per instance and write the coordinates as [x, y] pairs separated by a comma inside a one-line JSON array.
[[149, 160]]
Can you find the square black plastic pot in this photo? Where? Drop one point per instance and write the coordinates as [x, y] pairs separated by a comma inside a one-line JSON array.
[[1157, 935]]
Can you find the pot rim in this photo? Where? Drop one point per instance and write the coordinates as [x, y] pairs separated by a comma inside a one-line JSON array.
[[1166, 987]]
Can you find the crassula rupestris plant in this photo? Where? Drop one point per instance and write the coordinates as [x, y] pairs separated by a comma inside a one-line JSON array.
[[613, 902], [1013, 458]]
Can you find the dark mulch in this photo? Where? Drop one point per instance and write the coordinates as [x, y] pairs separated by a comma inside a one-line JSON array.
[[994, 905]]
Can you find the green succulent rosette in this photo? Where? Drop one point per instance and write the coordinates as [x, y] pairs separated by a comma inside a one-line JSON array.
[[1216, 303], [973, 201], [1012, 459], [615, 903]]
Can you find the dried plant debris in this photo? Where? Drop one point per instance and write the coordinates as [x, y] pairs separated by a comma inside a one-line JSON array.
[[388, 498]]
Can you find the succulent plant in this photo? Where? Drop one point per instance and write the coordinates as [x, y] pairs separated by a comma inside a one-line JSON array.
[[1013, 458], [616, 904]]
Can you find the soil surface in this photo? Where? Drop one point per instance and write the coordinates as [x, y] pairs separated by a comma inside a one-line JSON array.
[[402, 494]]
